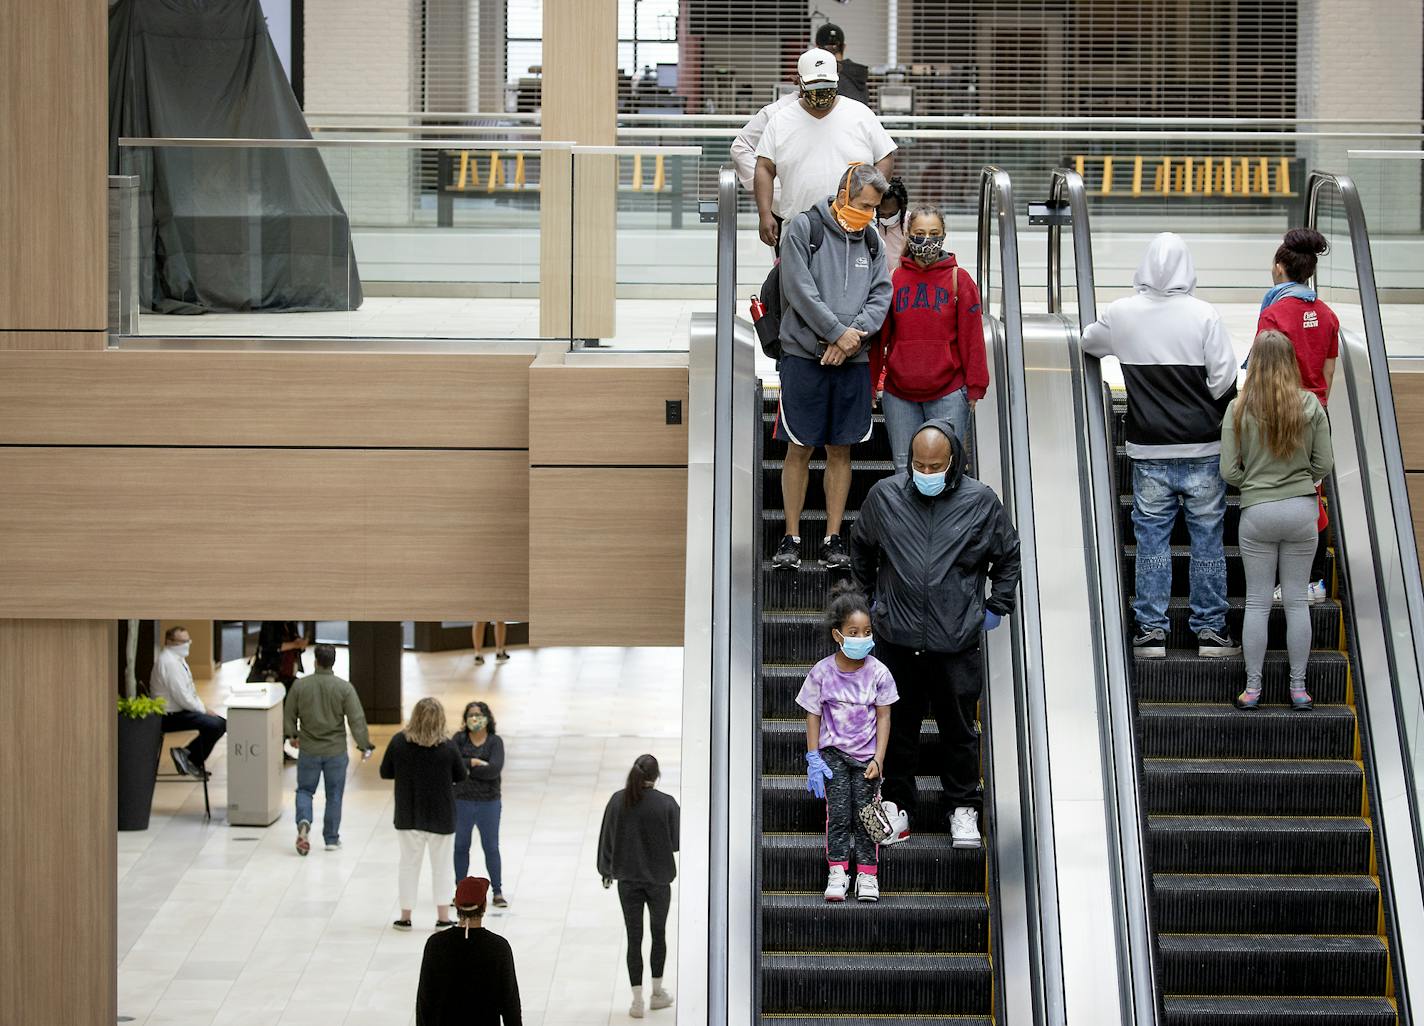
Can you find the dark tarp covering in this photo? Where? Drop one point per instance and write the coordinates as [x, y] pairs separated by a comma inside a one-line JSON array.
[[222, 229]]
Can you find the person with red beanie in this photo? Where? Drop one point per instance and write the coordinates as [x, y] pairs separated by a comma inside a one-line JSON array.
[[453, 958], [929, 362]]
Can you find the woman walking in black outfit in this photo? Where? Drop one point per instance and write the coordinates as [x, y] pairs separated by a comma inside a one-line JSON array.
[[477, 799], [636, 848]]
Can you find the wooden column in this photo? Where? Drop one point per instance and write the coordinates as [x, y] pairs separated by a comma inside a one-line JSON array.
[[58, 845], [578, 199]]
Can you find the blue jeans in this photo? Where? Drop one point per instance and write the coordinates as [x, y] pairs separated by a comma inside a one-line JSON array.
[[310, 769], [485, 817], [1159, 488], [903, 418]]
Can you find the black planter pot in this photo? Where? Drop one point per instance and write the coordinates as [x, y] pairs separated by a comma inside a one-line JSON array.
[[140, 742]]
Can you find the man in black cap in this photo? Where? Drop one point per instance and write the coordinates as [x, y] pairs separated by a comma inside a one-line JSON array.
[[455, 958], [853, 75]]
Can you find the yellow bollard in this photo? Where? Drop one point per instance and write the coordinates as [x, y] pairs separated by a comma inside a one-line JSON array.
[[1137, 175], [464, 169], [660, 173], [637, 172], [519, 170], [1107, 176]]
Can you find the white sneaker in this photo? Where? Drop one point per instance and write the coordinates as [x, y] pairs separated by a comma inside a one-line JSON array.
[[837, 883], [964, 827], [660, 999], [867, 887], [899, 823], [1316, 593], [635, 1010]]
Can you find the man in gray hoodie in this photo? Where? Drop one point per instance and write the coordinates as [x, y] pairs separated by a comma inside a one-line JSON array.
[[835, 291]]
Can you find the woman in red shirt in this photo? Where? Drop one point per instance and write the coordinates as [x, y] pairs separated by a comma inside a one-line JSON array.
[[1293, 308], [929, 360]]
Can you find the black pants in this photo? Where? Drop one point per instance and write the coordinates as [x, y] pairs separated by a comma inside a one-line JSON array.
[[948, 685], [847, 792], [210, 730], [658, 897]]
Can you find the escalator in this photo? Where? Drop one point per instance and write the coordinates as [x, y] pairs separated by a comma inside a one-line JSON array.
[[1280, 862]]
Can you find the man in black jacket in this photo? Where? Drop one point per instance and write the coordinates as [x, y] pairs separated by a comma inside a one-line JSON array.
[[853, 74], [923, 545]]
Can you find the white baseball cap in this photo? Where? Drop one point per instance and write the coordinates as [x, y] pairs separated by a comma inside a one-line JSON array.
[[816, 67]]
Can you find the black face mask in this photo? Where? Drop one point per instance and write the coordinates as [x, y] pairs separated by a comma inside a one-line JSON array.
[[819, 99]]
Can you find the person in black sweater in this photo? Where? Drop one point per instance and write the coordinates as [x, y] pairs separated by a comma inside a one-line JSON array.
[[477, 801], [636, 848], [423, 763], [455, 958]]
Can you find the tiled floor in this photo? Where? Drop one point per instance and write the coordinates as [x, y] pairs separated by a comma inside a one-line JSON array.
[[227, 925]]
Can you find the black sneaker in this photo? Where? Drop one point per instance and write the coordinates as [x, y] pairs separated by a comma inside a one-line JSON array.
[[1150, 644], [1211, 645], [185, 764], [788, 554], [834, 553]]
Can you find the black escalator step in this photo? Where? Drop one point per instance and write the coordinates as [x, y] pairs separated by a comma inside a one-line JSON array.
[[1181, 583], [1180, 535], [1223, 732], [1272, 964], [926, 862], [1265, 904], [1184, 677], [903, 923], [883, 984], [1259, 844], [813, 532], [864, 474], [799, 637], [797, 590], [779, 686], [783, 745], [1264, 787], [1324, 625], [1278, 1011], [788, 809]]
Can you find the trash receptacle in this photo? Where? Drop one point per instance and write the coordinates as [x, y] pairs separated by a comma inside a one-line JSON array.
[[254, 762]]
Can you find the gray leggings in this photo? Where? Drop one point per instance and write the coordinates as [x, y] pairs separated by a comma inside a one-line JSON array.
[[1272, 533]]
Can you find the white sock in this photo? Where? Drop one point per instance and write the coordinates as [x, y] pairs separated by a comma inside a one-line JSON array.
[[658, 985], [637, 995]]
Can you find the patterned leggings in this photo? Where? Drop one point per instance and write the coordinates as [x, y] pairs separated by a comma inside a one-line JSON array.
[[847, 792]]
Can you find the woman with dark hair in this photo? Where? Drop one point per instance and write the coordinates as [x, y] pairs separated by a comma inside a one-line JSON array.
[[636, 848], [280, 644], [1293, 308], [477, 798]]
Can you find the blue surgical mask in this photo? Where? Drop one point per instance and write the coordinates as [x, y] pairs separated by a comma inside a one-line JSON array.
[[857, 648], [930, 484]]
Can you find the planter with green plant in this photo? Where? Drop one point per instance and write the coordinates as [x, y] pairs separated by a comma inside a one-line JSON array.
[[140, 742]]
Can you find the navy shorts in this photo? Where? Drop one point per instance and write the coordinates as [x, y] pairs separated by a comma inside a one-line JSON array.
[[823, 405]]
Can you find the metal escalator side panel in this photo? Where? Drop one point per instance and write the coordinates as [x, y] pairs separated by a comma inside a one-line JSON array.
[[1368, 550], [1015, 946]]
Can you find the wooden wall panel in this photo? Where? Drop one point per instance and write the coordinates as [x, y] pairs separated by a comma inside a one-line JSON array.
[[58, 846], [1414, 484], [608, 553], [197, 397], [263, 534], [53, 340], [1409, 411], [606, 414], [54, 121]]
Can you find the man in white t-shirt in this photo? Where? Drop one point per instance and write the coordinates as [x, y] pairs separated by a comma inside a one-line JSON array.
[[807, 145], [744, 146]]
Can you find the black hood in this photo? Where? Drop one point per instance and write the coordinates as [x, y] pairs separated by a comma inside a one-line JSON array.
[[956, 449]]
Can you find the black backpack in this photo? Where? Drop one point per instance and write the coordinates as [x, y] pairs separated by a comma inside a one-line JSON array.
[[768, 326]]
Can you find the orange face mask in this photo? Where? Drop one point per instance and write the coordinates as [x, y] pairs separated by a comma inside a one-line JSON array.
[[850, 218]]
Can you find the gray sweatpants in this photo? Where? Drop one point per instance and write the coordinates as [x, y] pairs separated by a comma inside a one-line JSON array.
[[1278, 534]]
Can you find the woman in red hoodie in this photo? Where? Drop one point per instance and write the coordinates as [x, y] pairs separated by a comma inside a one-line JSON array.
[[929, 361], [1293, 308]]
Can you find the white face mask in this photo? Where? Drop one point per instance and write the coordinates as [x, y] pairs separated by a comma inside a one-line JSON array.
[[183, 649]]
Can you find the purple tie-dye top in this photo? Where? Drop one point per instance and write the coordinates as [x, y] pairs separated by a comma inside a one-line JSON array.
[[846, 703]]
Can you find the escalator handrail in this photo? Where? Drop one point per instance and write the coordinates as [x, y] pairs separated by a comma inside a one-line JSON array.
[[1131, 841], [1044, 930]]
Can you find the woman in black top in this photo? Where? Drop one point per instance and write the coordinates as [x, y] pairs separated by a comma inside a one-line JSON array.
[[423, 763], [636, 847], [477, 799]]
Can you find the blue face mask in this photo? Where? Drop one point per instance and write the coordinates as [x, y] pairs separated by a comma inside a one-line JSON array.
[[857, 648], [930, 484]]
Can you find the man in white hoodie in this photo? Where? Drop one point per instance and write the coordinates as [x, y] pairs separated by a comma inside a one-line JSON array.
[[1180, 372]]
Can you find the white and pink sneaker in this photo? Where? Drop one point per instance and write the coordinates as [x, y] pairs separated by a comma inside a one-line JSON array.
[[899, 823]]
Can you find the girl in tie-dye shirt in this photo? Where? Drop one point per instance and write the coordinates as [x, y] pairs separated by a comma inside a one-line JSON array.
[[847, 698]]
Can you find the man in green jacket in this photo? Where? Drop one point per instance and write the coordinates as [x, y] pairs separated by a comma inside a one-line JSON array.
[[315, 719]]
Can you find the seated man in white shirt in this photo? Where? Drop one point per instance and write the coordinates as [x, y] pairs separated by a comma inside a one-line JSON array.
[[807, 146], [172, 681]]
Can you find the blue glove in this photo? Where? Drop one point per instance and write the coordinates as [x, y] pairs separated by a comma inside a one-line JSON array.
[[817, 773], [991, 619]]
